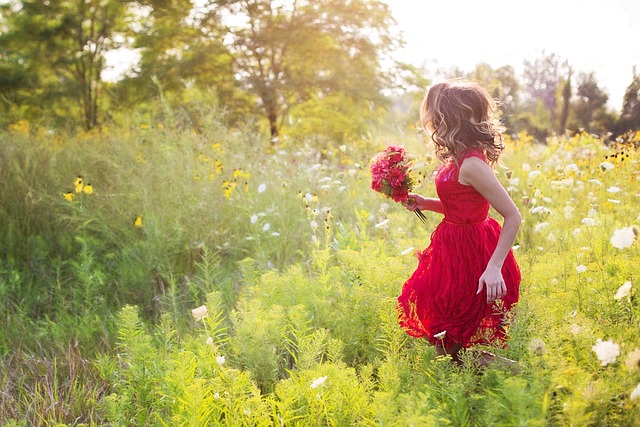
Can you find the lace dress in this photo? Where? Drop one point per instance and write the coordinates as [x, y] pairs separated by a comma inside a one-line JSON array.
[[441, 294]]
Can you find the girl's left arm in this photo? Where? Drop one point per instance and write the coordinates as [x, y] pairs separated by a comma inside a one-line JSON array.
[[479, 175]]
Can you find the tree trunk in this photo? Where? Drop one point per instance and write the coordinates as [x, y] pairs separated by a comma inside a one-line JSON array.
[[273, 122]]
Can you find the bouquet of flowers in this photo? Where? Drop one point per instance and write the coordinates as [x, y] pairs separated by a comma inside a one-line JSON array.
[[391, 175]]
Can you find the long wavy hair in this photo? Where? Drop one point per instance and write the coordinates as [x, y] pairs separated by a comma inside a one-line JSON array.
[[461, 115]]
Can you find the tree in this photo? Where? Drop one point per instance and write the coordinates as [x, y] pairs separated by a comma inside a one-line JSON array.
[[566, 102], [590, 103], [541, 81], [291, 51], [60, 48], [630, 115], [503, 85]]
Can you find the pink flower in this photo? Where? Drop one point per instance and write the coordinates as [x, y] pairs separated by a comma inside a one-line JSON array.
[[390, 172]]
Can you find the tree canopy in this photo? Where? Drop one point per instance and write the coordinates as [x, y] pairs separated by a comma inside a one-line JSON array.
[[282, 62]]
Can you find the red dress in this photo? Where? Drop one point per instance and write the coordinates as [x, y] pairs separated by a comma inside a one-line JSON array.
[[441, 294]]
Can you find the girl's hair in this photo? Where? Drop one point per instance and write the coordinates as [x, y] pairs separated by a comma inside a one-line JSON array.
[[461, 115]]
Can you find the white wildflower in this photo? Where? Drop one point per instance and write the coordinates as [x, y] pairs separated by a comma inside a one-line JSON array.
[[589, 222], [607, 351], [266, 227], [542, 210], [216, 395], [623, 237], [515, 247], [318, 382], [581, 268], [568, 211], [537, 347], [613, 189], [440, 335], [254, 219], [571, 168], [541, 226], [514, 181], [533, 174], [635, 393], [342, 188], [526, 167], [262, 187], [407, 251], [275, 234], [606, 166], [633, 360], [623, 291], [575, 329], [325, 180], [575, 232], [209, 341], [199, 313], [220, 360], [595, 181], [308, 197], [313, 224], [382, 224]]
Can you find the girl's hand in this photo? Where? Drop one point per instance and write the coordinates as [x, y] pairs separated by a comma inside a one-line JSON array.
[[413, 202], [494, 282]]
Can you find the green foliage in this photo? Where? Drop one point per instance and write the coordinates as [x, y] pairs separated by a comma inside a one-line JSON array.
[[298, 272]]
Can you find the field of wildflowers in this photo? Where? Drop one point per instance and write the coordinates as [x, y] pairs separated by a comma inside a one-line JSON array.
[[155, 275]]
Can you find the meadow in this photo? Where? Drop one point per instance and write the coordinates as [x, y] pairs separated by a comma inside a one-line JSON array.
[[157, 275]]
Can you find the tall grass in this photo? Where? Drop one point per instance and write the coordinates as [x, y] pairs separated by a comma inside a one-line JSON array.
[[298, 263]]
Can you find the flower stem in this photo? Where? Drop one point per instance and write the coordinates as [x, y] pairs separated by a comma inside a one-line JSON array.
[[420, 215]]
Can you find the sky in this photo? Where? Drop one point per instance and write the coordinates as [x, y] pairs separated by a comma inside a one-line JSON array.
[[600, 36]]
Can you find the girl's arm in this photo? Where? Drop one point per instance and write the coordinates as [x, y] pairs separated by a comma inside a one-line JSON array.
[[479, 175], [416, 201]]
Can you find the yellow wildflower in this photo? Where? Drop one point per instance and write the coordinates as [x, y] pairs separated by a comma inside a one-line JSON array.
[[218, 166], [88, 189], [237, 173], [138, 222], [68, 196], [78, 184]]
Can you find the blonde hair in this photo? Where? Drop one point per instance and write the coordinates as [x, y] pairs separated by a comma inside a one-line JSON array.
[[461, 115]]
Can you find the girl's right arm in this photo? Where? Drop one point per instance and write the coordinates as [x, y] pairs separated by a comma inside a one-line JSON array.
[[416, 201]]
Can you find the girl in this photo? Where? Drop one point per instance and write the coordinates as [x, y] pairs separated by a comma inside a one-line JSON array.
[[467, 280]]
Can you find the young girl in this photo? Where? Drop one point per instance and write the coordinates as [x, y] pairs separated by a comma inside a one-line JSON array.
[[467, 280]]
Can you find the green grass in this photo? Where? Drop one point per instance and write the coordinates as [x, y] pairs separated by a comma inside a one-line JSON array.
[[298, 263]]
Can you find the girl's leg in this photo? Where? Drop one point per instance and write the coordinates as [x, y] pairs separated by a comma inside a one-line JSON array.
[[487, 358], [452, 351]]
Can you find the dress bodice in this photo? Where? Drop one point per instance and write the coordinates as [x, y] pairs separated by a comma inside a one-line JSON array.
[[462, 204]]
